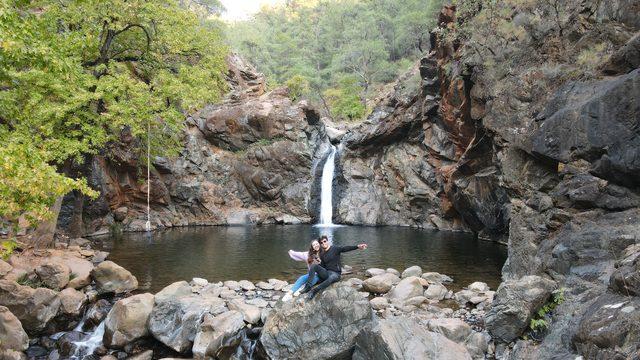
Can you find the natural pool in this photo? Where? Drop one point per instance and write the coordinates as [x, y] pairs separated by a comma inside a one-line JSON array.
[[260, 252]]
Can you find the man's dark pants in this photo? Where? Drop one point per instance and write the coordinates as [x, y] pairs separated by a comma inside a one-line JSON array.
[[327, 277]]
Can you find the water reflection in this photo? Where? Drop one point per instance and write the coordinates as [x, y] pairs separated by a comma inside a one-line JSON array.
[[260, 252]]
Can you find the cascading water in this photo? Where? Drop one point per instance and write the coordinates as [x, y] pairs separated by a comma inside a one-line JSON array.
[[326, 190], [90, 344]]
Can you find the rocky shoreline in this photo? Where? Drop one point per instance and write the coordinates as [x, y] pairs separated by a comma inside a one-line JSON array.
[[70, 302]]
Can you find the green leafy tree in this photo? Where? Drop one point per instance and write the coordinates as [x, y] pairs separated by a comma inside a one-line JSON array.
[[344, 100], [323, 40], [75, 74]]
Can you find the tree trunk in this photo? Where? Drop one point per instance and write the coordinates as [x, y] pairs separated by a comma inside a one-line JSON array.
[[76, 225], [42, 237]]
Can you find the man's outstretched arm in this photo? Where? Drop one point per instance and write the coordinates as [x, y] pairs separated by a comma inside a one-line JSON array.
[[353, 247]]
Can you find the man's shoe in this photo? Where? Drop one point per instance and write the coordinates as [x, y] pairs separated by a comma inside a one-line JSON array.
[[305, 289], [287, 296], [311, 294], [297, 293]]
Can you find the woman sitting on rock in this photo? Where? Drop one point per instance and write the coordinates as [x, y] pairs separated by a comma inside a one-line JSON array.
[[312, 257]]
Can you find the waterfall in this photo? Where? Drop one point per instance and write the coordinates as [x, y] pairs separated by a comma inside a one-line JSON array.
[[90, 344], [326, 190]]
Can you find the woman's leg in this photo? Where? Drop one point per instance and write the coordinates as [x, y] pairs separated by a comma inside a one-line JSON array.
[[301, 281]]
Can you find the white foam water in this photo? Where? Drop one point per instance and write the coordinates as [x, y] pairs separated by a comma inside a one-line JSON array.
[[326, 190], [90, 344]]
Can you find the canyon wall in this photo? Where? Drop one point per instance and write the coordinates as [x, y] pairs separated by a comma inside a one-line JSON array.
[[247, 160]]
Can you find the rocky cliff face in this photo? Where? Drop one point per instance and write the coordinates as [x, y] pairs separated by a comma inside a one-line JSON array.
[[246, 160]]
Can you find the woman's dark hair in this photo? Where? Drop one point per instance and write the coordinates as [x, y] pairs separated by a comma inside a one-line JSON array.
[[312, 253]]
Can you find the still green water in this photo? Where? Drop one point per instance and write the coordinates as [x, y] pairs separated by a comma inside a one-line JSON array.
[[260, 252]]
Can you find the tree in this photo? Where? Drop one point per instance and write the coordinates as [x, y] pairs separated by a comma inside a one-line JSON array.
[[344, 100], [75, 74], [321, 40]]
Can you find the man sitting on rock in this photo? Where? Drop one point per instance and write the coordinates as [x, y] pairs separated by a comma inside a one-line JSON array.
[[330, 266]]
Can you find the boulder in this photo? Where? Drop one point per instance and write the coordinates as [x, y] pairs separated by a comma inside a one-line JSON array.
[[379, 303], [375, 271], [232, 285], [626, 278], [280, 284], [412, 271], [80, 272], [478, 286], [310, 331], [145, 355], [72, 302], [34, 307], [514, 303], [53, 275], [175, 290], [477, 344], [609, 328], [436, 278], [5, 268], [406, 289], [12, 355], [173, 321], [127, 320], [454, 329], [405, 339], [380, 284], [12, 335], [393, 271], [435, 291], [251, 313], [113, 278], [214, 331], [261, 303], [246, 285], [265, 285], [199, 282]]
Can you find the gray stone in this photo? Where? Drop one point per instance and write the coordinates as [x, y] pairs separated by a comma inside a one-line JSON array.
[[173, 322], [34, 307], [405, 339], [111, 277], [127, 320], [53, 275], [454, 329], [232, 285], [246, 285], [514, 303], [251, 313], [380, 284], [374, 271], [309, 332], [214, 331], [436, 278], [412, 271], [406, 289], [12, 336], [436, 292], [72, 302], [379, 303], [176, 290]]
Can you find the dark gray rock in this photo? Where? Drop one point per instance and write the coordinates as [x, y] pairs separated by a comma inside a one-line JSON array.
[[323, 328], [514, 303], [609, 328], [625, 280], [596, 122]]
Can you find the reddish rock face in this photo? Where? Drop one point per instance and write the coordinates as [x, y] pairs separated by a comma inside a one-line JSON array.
[[252, 154]]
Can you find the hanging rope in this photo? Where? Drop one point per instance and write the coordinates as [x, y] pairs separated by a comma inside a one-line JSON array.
[[147, 225]]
